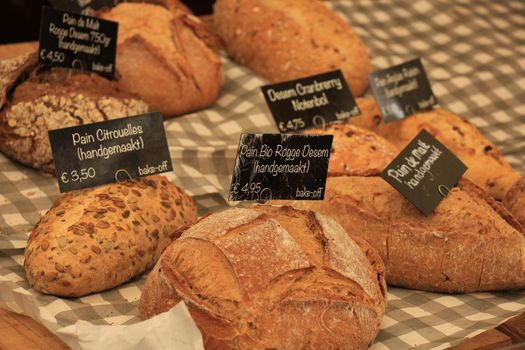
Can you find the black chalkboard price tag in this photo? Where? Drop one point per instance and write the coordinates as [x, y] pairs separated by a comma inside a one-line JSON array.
[[280, 166], [110, 151], [402, 90], [82, 6], [424, 172], [313, 101], [78, 42]]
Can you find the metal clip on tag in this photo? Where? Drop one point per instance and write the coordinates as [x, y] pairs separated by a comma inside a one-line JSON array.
[[75, 61], [319, 122], [443, 190], [265, 195], [409, 110], [125, 172]]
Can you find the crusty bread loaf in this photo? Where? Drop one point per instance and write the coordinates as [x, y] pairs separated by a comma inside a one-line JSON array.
[[355, 148], [271, 278], [34, 100], [162, 60], [514, 200], [486, 166], [456, 133], [470, 243], [201, 26], [288, 39], [95, 239]]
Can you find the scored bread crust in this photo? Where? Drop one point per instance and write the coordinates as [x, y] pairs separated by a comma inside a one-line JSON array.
[[162, 59], [470, 243], [271, 277], [289, 39], [37, 100], [514, 200], [355, 148], [98, 238]]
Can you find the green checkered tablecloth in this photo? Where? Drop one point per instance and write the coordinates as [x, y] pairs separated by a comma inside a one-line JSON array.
[[474, 54]]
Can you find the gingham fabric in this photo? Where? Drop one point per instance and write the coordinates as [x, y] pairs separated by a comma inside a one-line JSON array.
[[474, 54]]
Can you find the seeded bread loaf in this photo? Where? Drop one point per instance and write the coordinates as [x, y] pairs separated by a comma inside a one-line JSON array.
[[271, 278], [288, 39], [98, 238], [470, 243], [486, 166], [34, 100], [161, 58]]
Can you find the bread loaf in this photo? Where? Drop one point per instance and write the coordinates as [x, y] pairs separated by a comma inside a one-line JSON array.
[[469, 244], [271, 278], [463, 139], [97, 238], [514, 200], [288, 39], [34, 100], [162, 60], [355, 148]]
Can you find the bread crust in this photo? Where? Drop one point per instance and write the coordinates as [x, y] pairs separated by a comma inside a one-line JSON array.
[[469, 244], [161, 58], [486, 165], [289, 39], [98, 238], [355, 149], [268, 277], [515, 200], [42, 99], [456, 133]]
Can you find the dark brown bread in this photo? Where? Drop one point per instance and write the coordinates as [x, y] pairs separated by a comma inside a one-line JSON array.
[[271, 278], [35, 100], [288, 39], [470, 243], [95, 239]]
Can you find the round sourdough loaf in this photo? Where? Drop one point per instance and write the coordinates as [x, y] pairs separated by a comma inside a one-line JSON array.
[[34, 100], [470, 243], [271, 278], [95, 239], [288, 39], [162, 58]]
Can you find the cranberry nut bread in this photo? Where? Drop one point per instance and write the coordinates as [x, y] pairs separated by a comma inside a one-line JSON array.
[[98, 238], [271, 278], [34, 100], [289, 39], [469, 244], [458, 135], [162, 59]]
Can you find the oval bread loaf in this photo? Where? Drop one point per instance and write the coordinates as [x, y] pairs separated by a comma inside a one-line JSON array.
[[271, 278], [463, 139], [456, 133], [289, 39], [469, 244], [97, 238], [162, 58]]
